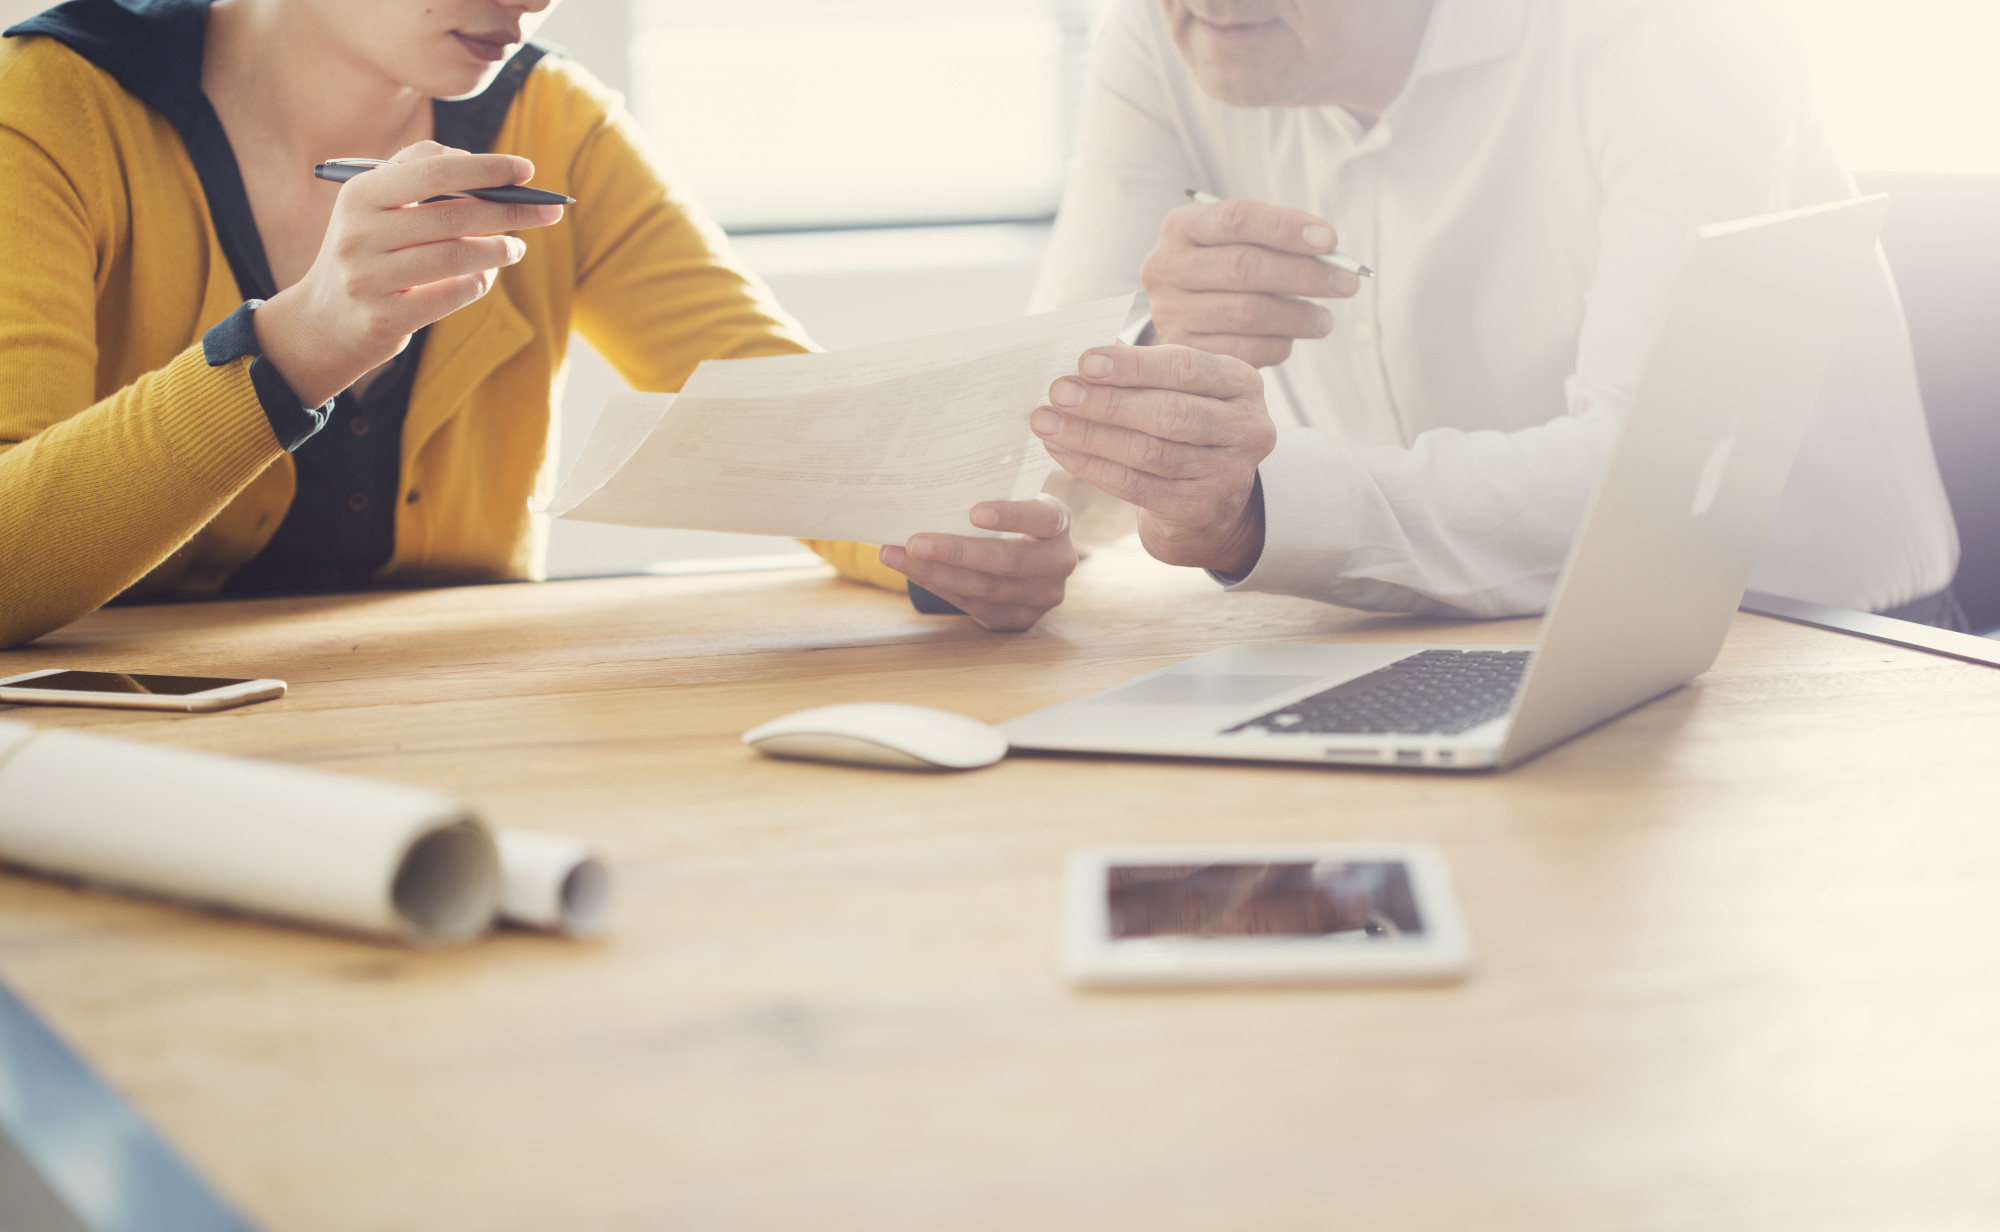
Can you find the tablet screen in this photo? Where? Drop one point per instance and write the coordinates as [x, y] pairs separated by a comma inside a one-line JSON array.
[[1357, 900]]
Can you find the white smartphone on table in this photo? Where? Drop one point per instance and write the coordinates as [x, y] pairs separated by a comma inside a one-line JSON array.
[[135, 690], [1262, 914]]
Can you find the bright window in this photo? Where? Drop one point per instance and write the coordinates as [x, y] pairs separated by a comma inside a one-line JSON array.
[[786, 114], [783, 114], [1907, 85]]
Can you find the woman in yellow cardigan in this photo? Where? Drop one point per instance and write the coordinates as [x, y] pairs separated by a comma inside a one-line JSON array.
[[219, 375]]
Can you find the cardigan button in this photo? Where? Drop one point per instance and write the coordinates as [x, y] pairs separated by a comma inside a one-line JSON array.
[[357, 501], [358, 426]]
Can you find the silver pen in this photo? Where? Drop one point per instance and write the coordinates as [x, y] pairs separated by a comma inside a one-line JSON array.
[[1337, 259]]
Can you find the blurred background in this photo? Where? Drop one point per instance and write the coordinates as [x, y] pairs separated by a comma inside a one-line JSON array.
[[890, 167]]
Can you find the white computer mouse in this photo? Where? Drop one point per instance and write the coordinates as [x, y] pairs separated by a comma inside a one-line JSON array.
[[881, 734]]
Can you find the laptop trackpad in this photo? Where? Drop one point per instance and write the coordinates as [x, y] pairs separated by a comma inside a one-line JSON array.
[[1202, 689]]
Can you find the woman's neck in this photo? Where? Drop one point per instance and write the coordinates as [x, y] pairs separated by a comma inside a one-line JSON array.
[[287, 87], [290, 94]]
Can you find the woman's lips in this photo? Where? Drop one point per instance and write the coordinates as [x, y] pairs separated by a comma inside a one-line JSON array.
[[487, 47]]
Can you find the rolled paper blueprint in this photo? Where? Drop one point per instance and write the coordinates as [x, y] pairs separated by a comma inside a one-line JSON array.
[[553, 883], [345, 853]]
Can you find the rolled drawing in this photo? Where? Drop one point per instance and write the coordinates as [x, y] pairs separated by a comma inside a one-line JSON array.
[[346, 853], [553, 883]]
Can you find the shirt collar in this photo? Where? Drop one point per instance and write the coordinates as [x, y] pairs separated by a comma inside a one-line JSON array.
[[152, 48], [1467, 32]]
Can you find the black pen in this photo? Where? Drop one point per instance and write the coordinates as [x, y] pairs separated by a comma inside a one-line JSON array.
[[341, 170]]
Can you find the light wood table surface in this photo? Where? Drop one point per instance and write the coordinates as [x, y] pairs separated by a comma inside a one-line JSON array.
[[1738, 952]]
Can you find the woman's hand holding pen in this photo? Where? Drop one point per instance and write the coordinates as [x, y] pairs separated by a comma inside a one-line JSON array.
[[391, 265], [1004, 584]]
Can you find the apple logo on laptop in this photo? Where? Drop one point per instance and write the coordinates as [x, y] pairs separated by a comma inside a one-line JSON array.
[[1710, 484]]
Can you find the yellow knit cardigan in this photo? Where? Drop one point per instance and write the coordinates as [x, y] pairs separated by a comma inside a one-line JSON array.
[[128, 466]]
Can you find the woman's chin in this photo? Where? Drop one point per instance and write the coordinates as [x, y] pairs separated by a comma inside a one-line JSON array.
[[462, 82]]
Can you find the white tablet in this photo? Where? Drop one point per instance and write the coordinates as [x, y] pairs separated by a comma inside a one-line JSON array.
[[1262, 914]]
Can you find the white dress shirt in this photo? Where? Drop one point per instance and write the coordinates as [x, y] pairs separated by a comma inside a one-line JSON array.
[[1526, 202]]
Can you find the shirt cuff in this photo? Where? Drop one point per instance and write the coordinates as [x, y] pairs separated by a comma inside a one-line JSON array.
[[235, 337], [1138, 331], [1310, 484]]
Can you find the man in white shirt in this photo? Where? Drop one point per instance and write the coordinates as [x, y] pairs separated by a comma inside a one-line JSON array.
[[1525, 177]]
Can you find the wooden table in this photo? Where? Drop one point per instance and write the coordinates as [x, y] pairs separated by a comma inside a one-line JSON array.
[[1739, 952]]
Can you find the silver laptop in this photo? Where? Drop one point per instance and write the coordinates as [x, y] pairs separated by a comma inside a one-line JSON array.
[[1652, 581]]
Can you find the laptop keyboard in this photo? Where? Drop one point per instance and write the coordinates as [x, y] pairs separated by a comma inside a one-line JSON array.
[[1435, 691]]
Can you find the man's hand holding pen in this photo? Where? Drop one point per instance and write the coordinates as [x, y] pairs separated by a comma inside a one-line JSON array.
[[1238, 277], [1179, 429]]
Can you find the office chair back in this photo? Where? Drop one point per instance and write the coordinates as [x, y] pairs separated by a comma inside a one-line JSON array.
[[1943, 242]]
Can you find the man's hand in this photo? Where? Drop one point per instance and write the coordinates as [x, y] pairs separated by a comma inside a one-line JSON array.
[[1234, 278], [1004, 584], [1177, 432]]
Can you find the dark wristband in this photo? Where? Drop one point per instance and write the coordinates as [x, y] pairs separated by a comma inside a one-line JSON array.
[[930, 605], [234, 337]]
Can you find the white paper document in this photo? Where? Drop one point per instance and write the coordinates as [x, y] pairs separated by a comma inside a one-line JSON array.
[[873, 444]]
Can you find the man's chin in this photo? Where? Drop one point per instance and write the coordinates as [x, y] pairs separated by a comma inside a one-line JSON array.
[[1244, 85]]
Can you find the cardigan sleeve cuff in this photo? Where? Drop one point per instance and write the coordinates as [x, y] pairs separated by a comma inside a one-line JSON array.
[[234, 337], [932, 605]]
